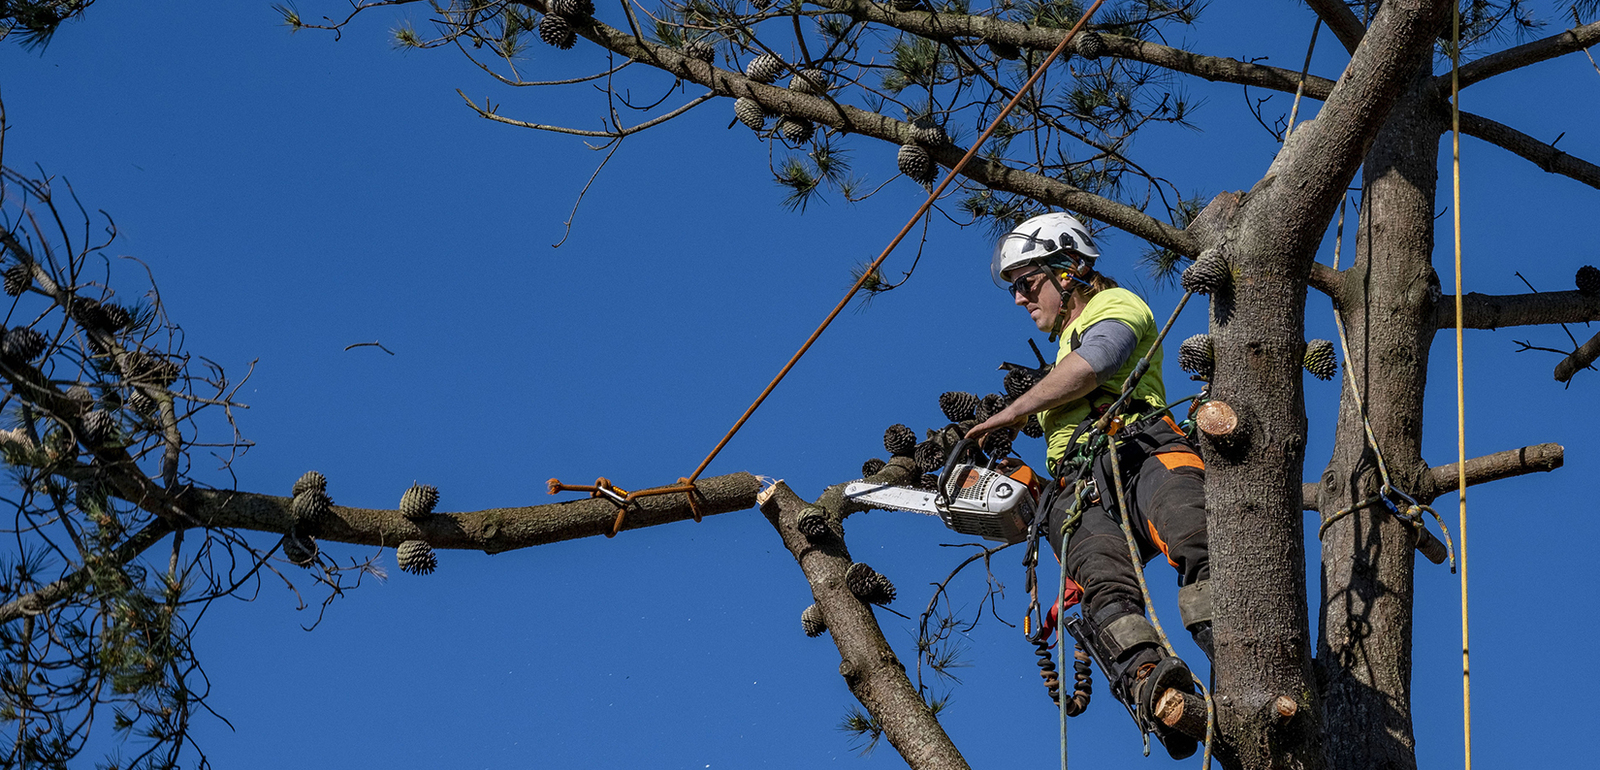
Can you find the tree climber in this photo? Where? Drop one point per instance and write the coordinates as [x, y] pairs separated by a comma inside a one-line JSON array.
[[1103, 331]]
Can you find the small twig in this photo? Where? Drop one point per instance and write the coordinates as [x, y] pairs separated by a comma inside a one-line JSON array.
[[585, 191], [372, 344]]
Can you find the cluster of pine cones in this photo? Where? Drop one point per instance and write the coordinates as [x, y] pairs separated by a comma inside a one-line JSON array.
[[964, 410]]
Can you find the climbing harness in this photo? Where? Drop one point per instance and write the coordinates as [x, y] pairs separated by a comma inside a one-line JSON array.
[[686, 485]]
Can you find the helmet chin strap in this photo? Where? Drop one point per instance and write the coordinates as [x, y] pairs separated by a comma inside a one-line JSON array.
[[1063, 314]]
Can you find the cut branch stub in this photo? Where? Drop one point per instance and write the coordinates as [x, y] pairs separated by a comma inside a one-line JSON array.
[[1216, 419], [868, 585]]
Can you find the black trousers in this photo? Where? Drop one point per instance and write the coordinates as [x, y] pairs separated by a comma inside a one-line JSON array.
[[1164, 481]]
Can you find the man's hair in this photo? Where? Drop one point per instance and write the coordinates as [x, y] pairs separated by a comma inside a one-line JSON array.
[[1097, 283]]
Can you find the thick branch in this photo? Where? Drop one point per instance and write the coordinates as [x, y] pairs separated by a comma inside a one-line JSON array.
[[1442, 479], [1579, 360], [1545, 156], [783, 101], [491, 531], [1492, 311], [869, 666], [1341, 20], [1523, 55], [960, 29]]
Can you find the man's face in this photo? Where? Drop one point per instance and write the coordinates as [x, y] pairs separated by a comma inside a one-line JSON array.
[[1034, 292]]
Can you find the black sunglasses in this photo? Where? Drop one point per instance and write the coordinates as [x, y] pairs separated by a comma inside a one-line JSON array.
[[1021, 284]]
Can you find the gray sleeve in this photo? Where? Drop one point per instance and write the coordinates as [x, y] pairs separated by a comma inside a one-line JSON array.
[[1106, 346]]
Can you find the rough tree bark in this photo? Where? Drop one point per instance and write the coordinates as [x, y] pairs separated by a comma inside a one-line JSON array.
[[1386, 300], [1253, 482]]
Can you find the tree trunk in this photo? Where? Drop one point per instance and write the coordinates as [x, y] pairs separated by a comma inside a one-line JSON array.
[[1387, 301]]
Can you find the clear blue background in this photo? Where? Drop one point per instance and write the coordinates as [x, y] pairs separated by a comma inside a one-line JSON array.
[[294, 195]]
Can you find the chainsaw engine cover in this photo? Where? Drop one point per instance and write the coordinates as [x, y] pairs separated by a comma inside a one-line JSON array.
[[987, 503]]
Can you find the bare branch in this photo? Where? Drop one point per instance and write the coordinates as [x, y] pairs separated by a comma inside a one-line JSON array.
[[1442, 479], [1498, 311], [1341, 20], [1579, 360], [958, 29], [488, 112], [867, 663], [1545, 156], [1523, 55], [492, 531]]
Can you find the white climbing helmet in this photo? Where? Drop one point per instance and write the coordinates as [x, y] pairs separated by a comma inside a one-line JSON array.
[[1056, 238]]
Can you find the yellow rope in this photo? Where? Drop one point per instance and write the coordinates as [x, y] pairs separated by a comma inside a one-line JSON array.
[[1461, 394]]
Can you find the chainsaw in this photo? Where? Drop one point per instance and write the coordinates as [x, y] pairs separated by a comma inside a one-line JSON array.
[[970, 499]]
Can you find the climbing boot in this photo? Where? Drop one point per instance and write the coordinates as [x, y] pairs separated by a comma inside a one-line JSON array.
[[1151, 682], [1194, 605]]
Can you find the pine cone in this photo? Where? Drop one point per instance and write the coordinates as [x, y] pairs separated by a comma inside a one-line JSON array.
[[139, 402], [99, 426], [700, 49], [899, 440], [17, 279], [750, 113], [813, 523], [300, 551], [81, 395], [996, 444], [871, 467], [418, 501], [310, 481], [991, 406], [23, 344], [1208, 275], [1196, 357], [811, 621], [925, 131], [1033, 429], [915, 163], [928, 481], [118, 317], [310, 506], [1004, 50], [572, 9], [868, 585], [930, 456], [90, 314], [958, 406], [764, 68], [905, 5], [809, 81], [1018, 381], [796, 130], [416, 557], [1588, 279], [1320, 360], [1090, 45], [555, 31]]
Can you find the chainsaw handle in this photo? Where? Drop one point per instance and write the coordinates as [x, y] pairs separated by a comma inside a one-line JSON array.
[[950, 465]]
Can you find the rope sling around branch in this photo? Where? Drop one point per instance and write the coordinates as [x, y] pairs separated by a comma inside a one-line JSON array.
[[623, 500]]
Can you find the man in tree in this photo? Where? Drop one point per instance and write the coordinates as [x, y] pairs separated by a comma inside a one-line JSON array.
[[1104, 332]]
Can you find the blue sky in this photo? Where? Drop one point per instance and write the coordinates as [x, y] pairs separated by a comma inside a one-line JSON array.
[[293, 195]]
